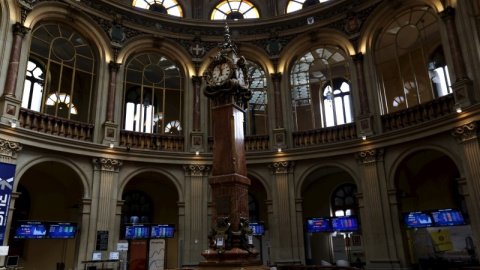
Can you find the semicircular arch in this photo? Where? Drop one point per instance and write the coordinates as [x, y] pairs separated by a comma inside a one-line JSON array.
[[23, 167], [163, 172]]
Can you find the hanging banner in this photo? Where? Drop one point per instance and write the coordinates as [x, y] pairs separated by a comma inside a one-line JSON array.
[[7, 173]]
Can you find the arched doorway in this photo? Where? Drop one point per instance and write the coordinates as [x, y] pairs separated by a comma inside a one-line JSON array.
[[150, 199], [428, 188], [50, 193]]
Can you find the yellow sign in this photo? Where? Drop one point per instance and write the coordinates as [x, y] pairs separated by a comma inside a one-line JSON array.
[[441, 240]]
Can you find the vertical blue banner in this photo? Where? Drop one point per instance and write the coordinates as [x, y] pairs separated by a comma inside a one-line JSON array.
[[7, 173]]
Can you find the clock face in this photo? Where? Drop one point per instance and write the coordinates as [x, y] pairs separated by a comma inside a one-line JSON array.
[[221, 73]]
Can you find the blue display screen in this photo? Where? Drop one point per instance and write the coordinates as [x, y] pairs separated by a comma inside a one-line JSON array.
[[417, 219], [340, 224], [257, 228], [162, 231], [63, 230], [136, 232], [31, 230], [319, 225], [448, 217]]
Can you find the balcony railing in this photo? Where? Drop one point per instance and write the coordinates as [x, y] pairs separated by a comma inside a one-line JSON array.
[[419, 114], [253, 143], [52, 125], [151, 141], [316, 137]]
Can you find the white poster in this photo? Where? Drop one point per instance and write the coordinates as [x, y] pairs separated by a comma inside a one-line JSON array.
[[156, 254]]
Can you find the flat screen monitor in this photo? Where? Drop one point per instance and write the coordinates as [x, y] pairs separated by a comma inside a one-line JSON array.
[[258, 228], [345, 224], [319, 225], [31, 230], [448, 217], [62, 230], [137, 232], [162, 231], [417, 219], [11, 261]]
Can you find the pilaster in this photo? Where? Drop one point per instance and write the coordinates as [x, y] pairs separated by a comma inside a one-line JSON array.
[[195, 224], [374, 218], [286, 234], [105, 187], [467, 137]]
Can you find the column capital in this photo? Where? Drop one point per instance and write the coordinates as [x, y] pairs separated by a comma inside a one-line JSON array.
[[107, 164], [466, 132], [9, 148], [282, 167], [447, 14], [276, 76], [112, 66], [369, 156], [197, 80], [358, 58], [196, 170], [19, 29]]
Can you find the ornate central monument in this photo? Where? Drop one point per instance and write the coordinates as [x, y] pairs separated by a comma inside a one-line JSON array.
[[231, 240]]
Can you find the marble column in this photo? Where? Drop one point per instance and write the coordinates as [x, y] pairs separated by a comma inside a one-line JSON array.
[[462, 87], [19, 32], [197, 81], [279, 133], [9, 104], [195, 224], [104, 196], [364, 121], [109, 127], [379, 252], [286, 236], [113, 68], [467, 137], [277, 78]]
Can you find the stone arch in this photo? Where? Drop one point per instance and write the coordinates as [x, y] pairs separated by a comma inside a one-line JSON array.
[[27, 164], [406, 153], [316, 167], [163, 172]]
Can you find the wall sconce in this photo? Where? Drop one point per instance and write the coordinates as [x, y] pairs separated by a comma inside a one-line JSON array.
[[279, 149], [197, 152], [458, 108], [112, 143], [13, 123], [364, 136]]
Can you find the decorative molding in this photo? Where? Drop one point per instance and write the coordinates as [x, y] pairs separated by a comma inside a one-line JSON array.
[[196, 170], [9, 148], [369, 156], [107, 164], [282, 167], [466, 132], [20, 30]]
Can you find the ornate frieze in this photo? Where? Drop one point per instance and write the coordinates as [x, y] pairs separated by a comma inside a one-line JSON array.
[[282, 167], [107, 164], [196, 170], [466, 132], [9, 148]]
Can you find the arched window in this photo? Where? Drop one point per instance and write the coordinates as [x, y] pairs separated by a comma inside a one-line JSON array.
[[257, 114], [410, 60], [170, 7], [253, 208], [320, 85], [60, 73], [295, 5], [153, 95], [343, 201], [234, 10]]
